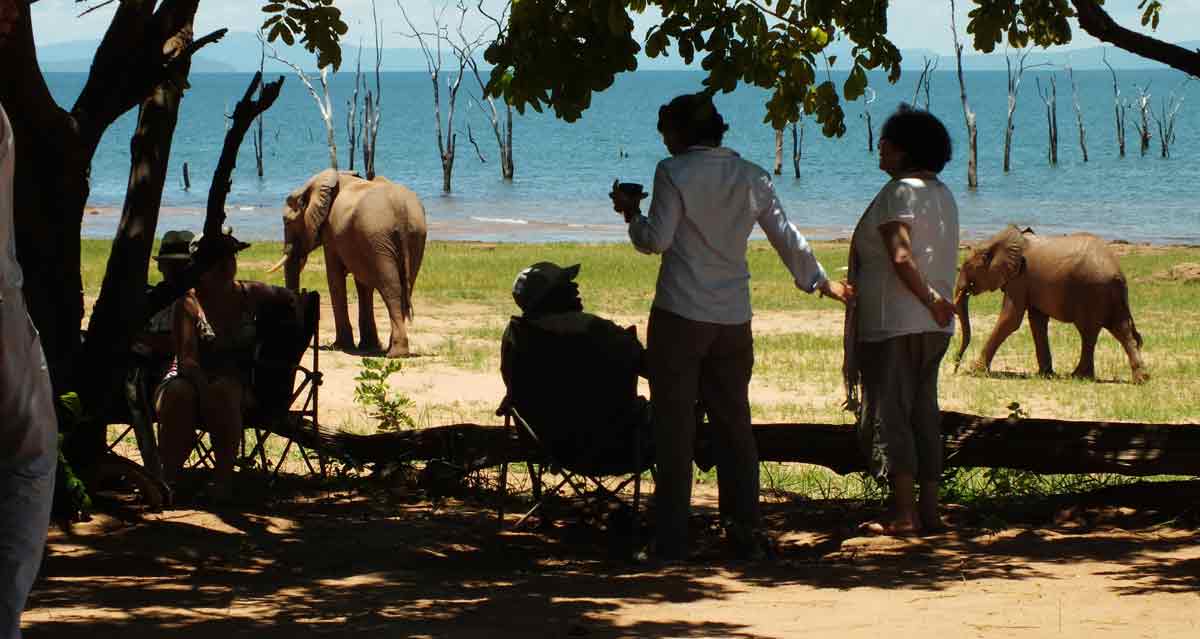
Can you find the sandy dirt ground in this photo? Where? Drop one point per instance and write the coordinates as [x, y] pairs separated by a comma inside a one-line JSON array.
[[375, 558], [369, 560]]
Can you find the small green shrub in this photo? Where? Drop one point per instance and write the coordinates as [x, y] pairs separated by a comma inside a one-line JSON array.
[[374, 394]]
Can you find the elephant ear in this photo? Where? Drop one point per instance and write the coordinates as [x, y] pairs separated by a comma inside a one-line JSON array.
[[321, 191], [1006, 254]]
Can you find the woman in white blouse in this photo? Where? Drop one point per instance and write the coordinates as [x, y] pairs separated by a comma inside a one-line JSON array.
[[903, 258]]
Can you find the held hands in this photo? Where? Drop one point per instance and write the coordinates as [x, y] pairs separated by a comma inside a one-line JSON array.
[[841, 291], [942, 309]]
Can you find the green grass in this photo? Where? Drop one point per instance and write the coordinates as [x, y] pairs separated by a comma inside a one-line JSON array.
[[797, 371]]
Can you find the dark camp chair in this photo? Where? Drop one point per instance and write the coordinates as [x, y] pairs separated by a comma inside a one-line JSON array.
[[285, 392], [566, 406]]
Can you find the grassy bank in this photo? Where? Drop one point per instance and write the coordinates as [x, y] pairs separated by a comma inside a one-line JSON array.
[[798, 336], [798, 344]]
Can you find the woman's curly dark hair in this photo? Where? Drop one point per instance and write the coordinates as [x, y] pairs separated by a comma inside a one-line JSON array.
[[921, 136], [694, 117]]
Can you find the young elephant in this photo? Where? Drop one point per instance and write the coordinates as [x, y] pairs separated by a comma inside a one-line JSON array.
[[1074, 278], [373, 230]]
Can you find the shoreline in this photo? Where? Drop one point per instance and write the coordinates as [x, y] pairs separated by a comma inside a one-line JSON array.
[[103, 221]]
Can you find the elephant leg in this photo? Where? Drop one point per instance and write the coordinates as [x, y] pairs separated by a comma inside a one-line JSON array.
[[335, 273], [1124, 332], [368, 337], [1009, 321], [1087, 352], [1038, 325], [398, 344]]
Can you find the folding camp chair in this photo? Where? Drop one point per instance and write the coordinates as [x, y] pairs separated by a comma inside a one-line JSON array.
[[586, 479], [558, 407], [285, 392]]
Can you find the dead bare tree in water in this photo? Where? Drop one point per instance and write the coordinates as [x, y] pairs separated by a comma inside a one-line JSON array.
[[431, 45], [1014, 88], [797, 145], [866, 115], [1164, 119], [324, 104], [371, 105], [1050, 99], [352, 130], [257, 136], [928, 66], [778, 170], [1078, 113], [1119, 106], [1143, 125], [968, 114], [502, 130]]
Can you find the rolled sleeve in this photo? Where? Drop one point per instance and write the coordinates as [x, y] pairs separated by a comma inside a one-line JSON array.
[[655, 231], [793, 249]]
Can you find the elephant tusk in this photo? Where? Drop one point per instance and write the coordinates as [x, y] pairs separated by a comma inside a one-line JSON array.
[[278, 265]]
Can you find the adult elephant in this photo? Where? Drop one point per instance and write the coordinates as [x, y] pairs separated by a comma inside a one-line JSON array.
[[373, 230], [1073, 278]]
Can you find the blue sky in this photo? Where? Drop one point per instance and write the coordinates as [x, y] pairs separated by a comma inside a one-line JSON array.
[[913, 24]]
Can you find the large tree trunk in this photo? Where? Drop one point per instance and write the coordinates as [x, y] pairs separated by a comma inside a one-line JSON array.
[[119, 311], [53, 157], [53, 153]]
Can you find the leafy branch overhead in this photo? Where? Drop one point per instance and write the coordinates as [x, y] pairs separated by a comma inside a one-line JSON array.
[[561, 51], [557, 53], [317, 23]]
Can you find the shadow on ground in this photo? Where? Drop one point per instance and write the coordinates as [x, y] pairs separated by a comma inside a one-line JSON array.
[[338, 559]]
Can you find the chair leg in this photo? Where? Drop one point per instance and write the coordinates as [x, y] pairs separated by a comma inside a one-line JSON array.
[[535, 477], [503, 490], [541, 501], [637, 491]]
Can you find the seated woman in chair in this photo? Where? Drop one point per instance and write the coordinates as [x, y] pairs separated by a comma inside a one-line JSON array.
[[208, 388]]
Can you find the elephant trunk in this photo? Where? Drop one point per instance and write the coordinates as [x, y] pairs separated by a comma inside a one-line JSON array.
[[962, 296], [293, 264]]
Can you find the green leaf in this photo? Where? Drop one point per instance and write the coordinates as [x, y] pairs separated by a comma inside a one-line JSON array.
[[274, 7], [856, 83]]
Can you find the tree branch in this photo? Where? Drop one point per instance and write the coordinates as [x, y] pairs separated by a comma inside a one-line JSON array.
[[244, 114], [1096, 22]]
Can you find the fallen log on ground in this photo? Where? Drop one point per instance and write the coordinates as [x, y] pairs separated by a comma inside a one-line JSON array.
[[1039, 445]]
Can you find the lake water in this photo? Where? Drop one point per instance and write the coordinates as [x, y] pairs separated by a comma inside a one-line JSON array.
[[563, 171]]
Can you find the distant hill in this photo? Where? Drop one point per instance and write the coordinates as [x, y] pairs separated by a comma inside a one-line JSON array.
[[199, 65], [1083, 59], [238, 51]]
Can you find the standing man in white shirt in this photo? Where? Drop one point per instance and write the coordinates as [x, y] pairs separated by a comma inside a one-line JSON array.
[[705, 203], [28, 429]]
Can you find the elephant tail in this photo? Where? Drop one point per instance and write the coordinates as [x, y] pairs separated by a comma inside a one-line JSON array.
[[405, 261], [1129, 310]]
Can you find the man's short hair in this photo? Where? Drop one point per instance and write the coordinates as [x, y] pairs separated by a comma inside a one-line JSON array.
[[694, 117]]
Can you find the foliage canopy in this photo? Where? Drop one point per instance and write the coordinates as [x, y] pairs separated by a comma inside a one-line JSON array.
[[556, 53]]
